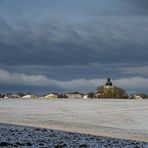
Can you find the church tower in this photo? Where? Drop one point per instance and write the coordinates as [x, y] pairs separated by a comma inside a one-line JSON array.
[[109, 91], [108, 82]]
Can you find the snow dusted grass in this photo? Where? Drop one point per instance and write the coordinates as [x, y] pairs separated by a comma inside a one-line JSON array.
[[23, 136]]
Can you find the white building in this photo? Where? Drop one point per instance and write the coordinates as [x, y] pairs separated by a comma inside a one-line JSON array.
[[74, 95], [27, 97], [85, 97], [51, 96]]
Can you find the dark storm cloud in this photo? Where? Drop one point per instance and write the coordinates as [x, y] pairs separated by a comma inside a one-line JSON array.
[[53, 43], [133, 7], [140, 4]]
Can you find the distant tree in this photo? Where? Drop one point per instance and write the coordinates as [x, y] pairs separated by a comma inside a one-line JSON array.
[[2, 95], [119, 92], [100, 89], [65, 96], [21, 94], [91, 95], [61, 96]]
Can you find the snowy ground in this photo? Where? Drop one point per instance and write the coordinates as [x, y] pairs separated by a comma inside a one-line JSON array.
[[127, 119], [17, 136]]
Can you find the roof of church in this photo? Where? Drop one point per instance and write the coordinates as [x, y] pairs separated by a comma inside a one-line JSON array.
[[109, 81]]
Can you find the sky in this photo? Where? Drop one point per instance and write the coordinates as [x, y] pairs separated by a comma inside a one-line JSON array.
[[61, 46]]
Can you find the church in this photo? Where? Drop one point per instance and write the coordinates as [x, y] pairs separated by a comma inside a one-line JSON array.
[[106, 91]]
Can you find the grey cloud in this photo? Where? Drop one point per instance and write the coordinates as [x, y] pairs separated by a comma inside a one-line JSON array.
[[132, 83], [120, 8], [62, 72], [137, 70], [15, 82], [85, 85], [103, 40], [7, 78], [38, 81], [140, 4], [133, 7]]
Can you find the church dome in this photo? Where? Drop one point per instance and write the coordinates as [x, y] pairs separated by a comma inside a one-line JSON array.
[[109, 82]]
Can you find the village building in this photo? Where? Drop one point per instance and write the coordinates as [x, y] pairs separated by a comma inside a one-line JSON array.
[[51, 96], [99, 95], [85, 97], [138, 97], [11, 96], [27, 97], [75, 95]]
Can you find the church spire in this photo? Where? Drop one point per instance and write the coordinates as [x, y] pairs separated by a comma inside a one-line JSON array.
[[109, 82]]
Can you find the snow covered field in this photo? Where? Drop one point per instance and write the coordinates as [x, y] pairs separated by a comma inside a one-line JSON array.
[[126, 119]]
